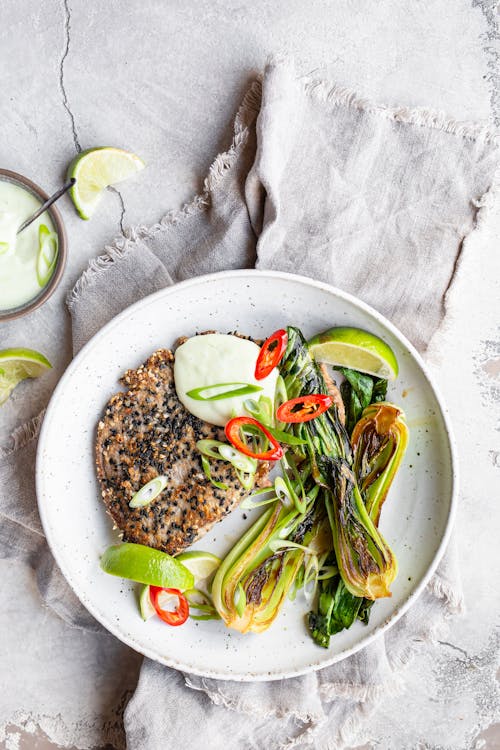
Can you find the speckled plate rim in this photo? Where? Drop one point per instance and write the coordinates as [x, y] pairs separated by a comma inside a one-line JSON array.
[[364, 641]]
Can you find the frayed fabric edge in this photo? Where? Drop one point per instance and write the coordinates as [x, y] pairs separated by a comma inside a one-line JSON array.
[[132, 236], [444, 591], [23, 435], [338, 95], [311, 722], [219, 699]]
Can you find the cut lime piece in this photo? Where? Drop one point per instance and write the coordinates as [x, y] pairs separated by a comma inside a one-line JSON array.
[[146, 565], [145, 604], [201, 564], [96, 169], [47, 255], [17, 365], [355, 349]]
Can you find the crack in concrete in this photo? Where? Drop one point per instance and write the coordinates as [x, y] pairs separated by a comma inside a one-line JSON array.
[[490, 10], [455, 648], [67, 27], [122, 204]]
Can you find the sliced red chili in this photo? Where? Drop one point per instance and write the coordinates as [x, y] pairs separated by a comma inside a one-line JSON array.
[[233, 434], [304, 408], [175, 617], [271, 353]]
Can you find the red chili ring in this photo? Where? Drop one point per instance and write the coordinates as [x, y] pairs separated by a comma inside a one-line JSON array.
[[232, 431], [271, 353], [304, 408], [176, 617]]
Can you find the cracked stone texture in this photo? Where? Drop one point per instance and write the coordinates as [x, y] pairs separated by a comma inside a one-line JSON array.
[[164, 80]]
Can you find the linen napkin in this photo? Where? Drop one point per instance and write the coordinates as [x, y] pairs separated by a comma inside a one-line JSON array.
[[316, 181]]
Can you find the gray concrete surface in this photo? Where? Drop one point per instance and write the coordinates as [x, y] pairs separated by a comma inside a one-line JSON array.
[[164, 80]]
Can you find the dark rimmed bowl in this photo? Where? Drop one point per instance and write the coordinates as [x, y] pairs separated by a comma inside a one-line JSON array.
[[48, 290]]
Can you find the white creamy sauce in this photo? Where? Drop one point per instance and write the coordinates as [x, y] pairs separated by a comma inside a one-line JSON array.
[[18, 278], [218, 358]]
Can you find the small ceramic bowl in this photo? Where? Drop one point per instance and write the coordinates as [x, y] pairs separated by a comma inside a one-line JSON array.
[[55, 215]]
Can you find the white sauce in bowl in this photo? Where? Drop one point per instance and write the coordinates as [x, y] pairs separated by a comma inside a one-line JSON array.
[[215, 358], [19, 282]]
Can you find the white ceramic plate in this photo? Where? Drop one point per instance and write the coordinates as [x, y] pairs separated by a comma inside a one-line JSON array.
[[416, 519]]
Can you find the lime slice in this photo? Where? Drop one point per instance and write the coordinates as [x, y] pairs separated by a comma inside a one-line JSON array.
[[356, 349], [96, 169], [201, 564], [146, 565], [145, 605], [18, 364]]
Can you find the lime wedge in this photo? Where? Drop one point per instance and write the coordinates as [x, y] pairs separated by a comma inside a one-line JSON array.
[[145, 605], [356, 349], [96, 169], [18, 364], [146, 565], [201, 564]]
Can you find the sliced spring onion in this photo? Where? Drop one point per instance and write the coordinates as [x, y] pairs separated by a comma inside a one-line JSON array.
[[206, 469], [148, 492], [280, 396], [285, 545], [283, 493], [311, 578], [247, 481], [210, 448], [198, 599], [240, 599], [286, 437], [47, 254], [235, 389], [327, 572], [262, 410], [237, 459], [249, 503]]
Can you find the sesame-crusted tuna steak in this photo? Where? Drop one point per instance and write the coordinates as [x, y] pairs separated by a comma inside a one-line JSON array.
[[146, 432]]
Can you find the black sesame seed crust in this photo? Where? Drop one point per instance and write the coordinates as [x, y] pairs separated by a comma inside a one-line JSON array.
[[145, 431]]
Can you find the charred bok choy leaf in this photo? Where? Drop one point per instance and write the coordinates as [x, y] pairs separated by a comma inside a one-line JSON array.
[[358, 391], [365, 561], [254, 579], [379, 442]]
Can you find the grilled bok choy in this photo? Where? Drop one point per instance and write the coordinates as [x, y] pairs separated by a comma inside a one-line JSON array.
[[253, 580], [379, 442]]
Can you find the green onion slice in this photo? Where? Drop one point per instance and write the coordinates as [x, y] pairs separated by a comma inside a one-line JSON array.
[[210, 448], [311, 578], [235, 389], [237, 459], [148, 492], [206, 469], [249, 503], [285, 545], [47, 255]]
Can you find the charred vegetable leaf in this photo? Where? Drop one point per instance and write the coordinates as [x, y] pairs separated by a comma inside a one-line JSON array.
[[365, 560], [358, 391], [379, 441], [261, 573]]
